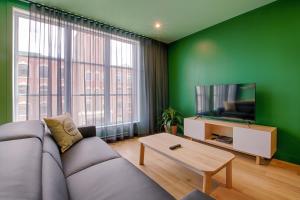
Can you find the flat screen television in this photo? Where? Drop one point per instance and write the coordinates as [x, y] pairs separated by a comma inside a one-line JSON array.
[[227, 101]]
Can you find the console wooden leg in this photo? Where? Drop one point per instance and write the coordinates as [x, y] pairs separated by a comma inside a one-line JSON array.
[[206, 183], [258, 160], [229, 175], [142, 152]]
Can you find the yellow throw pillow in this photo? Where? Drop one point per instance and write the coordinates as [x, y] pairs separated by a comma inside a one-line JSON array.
[[63, 130]]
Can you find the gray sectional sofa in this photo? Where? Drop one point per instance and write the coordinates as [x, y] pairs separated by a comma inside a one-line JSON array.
[[32, 168]]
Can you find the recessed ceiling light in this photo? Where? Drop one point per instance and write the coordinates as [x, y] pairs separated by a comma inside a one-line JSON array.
[[157, 25]]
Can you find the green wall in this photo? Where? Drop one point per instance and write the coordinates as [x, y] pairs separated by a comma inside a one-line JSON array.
[[261, 46], [6, 19], [3, 61]]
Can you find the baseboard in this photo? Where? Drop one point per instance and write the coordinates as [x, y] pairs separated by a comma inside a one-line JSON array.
[[285, 165]]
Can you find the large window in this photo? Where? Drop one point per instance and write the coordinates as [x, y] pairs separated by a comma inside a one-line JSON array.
[[97, 84]]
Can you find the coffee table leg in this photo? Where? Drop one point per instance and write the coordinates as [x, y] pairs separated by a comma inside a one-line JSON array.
[[229, 175], [206, 183], [142, 151]]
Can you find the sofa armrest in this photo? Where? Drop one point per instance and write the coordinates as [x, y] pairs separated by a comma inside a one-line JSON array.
[[197, 195], [87, 131]]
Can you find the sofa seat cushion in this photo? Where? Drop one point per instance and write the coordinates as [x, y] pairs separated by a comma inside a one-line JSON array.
[[21, 169], [115, 179], [86, 153]]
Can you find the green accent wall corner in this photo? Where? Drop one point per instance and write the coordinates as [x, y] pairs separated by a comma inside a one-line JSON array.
[[3, 61], [6, 27], [261, 46]]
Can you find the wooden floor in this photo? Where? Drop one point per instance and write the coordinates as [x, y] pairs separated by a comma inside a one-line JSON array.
[[250, 181]]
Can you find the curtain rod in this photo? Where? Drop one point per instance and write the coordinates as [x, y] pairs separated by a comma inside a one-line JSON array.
[[86, 18]]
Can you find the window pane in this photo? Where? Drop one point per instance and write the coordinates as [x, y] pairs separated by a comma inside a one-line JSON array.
[[121, 80], [87, 79], [128, 108], [21, 108], [87, 47], [23, 28], [121, 109], [88, 109], [121, 53], [41, 35], [22, 69], [22, 89], [43, 71]]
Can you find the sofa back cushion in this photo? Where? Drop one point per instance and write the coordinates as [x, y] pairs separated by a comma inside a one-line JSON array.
[[20, 130], [20, 169], [53, 179], [52, 148]]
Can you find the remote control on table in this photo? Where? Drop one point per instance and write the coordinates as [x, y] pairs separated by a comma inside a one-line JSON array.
[[175, 146]]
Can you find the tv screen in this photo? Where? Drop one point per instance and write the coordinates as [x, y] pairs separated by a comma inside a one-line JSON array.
[[228, 101]]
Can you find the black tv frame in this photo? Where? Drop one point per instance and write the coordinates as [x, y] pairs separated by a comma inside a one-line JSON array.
[[230, 119]]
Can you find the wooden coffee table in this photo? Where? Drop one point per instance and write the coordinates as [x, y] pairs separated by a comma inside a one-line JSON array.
[[201, 158]]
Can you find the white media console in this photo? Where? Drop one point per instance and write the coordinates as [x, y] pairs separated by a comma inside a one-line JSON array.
[[257, 140]]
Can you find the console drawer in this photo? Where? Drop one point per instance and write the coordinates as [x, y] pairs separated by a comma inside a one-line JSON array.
[[252, 141], [194, 128]]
